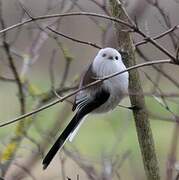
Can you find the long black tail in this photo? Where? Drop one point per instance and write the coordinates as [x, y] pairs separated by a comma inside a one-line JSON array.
[[62, 138], [100, 99]]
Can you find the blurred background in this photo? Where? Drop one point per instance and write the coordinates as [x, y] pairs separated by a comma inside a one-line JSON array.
[[35, 62]]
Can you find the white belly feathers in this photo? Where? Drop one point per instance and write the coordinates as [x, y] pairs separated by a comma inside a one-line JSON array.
[[116, 86]]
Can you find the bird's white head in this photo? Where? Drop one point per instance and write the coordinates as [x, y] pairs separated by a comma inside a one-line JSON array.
[[107, 61], [109, 54]]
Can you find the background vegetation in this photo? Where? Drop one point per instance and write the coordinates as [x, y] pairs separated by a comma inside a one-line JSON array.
[[43, 59]]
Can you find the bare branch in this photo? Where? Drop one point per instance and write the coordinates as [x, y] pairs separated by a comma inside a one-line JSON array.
[[159, 36], [131, 26], [5, 79], [73, 39], [25, 170], [65, 15], [164, 73], [13, 67], [84, 87]]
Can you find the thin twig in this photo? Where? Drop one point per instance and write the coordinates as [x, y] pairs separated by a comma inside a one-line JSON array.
[[158, 36], [131, 26], [84, 87], [73, 39], [59, 33], [51, 72], [164, 73], [166, 19], [156, 44], [64, 15], [13, 67], [5, 79], [25, 170]]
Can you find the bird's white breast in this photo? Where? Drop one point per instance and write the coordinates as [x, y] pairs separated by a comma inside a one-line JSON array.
[[116, 86]]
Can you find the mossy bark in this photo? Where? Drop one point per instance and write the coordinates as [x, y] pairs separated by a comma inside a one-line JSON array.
[[142, 123]]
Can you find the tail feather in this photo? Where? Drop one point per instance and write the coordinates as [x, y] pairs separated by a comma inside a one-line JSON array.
[[61, 140], [99, 99]]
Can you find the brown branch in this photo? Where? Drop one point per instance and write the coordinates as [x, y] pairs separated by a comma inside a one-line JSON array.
[[84, 87], [173, 149], [21, 97], [64, 15], [48, 96], [164, 73], [131, 26], [5, 79], [86, 167], [31, 160], [26, 170], [13, 67], [65, 73], [166, 19], [156, 44], [158, 36], [17, 78], [73, 39], [155, 116], [60, 33], [142, 122]]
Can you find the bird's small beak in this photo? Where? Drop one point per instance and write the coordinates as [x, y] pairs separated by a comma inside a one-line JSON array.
[[110, 57]]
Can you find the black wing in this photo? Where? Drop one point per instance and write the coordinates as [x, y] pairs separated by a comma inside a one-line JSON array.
[[99, 99], [87, 77]]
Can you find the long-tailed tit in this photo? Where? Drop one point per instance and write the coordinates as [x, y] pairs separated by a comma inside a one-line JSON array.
[[101, 98]]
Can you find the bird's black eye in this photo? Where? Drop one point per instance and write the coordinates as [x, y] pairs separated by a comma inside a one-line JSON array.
[[116, 57], [104, 55]]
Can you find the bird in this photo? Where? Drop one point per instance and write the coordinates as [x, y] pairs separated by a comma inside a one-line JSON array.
[[100, 98]]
